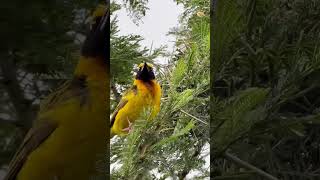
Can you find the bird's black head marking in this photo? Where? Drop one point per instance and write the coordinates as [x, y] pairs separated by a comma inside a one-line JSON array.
[[145, 72]]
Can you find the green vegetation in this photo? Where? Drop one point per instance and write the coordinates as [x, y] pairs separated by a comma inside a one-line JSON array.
[[171, 145], [265, 85]]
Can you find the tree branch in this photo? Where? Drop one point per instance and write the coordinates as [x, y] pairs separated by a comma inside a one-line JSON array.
[[194, 117], [16, 94], [246, 165]]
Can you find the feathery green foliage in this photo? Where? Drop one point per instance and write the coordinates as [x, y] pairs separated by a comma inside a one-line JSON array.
[[137, 8], [268, 49], [171, 144]]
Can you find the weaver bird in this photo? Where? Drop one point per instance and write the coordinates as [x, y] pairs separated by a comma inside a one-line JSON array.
[[69, 136], [144, 94]]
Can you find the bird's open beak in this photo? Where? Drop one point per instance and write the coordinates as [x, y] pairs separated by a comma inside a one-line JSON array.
[[145, 66], [104, 21]]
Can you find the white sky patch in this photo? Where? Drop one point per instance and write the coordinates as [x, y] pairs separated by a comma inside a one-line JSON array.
[[117, 165], [205, 154], [161, 16]]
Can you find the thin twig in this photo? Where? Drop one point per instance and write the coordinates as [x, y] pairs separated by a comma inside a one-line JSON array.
[[249, 166], [166, 129], [194, 117], [301, 174], [235, 176]]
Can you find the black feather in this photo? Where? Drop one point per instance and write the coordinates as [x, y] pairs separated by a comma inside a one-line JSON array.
[[97, 40]]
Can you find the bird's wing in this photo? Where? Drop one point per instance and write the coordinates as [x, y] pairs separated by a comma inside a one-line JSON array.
[[33, 139], [124, 100], [94, 46], [76, 88], [43, 127]]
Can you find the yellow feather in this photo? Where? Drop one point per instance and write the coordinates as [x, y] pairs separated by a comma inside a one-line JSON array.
[[68, 138], [146, 95], [99, 11], [78, 142]]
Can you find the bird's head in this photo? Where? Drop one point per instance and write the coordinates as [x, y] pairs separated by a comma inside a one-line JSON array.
[[96, 43], [94, 58], [145, 72]]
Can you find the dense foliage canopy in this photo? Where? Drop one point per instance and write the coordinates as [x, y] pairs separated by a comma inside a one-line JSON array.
[[265, 85]]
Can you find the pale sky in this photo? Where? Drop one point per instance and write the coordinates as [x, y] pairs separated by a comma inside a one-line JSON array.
[[161, 16]]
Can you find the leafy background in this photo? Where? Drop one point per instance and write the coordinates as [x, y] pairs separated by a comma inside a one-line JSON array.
[[265, 89], [171, 145]]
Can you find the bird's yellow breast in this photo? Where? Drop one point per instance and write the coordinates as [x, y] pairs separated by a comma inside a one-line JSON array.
[[146, 97]]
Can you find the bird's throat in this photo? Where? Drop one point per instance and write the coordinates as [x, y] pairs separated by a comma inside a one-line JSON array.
[[92, 68]]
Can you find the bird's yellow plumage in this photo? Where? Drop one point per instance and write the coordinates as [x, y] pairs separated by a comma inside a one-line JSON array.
[[69, 137], [144, 95]]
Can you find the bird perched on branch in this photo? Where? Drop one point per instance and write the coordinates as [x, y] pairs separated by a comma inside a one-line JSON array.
[[144, 94], [69, 136]]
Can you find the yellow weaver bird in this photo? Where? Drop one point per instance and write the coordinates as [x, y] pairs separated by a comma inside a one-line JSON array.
[[69, 136], [145, 93]]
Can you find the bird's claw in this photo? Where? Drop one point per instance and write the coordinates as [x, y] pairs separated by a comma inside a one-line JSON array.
[[129, 128]]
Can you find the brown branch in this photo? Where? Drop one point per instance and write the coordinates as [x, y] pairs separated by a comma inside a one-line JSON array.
[[301, 174], [198, 119], [242, 175], [246, 165]]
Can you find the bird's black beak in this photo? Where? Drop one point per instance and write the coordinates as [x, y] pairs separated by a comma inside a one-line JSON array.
[[104, 21], [145, 66], [145, 73], [98, 38]]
